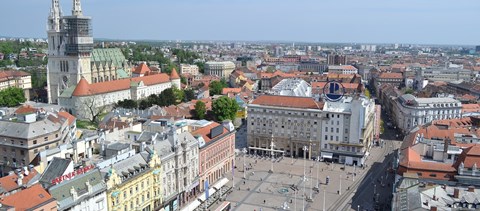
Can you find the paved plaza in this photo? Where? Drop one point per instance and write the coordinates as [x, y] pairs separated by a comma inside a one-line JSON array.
[[262, 190]]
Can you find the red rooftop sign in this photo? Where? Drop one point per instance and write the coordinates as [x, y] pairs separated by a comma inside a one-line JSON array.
[[72, 174]]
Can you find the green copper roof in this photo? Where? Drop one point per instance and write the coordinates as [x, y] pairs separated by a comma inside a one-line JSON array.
[[114, 55], [68, 91], [121, 73]]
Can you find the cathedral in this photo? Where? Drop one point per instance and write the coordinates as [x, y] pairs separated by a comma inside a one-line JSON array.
[[71, 56]]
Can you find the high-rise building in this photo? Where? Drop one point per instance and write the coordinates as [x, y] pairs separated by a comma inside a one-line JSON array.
[[335, 59], [70, 45]]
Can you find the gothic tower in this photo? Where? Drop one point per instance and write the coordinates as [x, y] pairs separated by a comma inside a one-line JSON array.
[[70, 45]]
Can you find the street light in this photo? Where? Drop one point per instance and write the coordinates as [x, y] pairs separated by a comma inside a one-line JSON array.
[[244, 153], [340, 190], [272, 144], [324, 192], [304, 175], [318, 168], [358, 207]]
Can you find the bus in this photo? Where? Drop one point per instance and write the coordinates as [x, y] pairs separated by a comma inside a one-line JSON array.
[[225, 206]]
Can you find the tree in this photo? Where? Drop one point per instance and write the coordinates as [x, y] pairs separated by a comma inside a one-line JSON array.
[[12, 97], [144, 104], [409, 91], [201, 66], [216, 87], [189, 94], [200, 110], [225, 108], [92, 108], [179, 95], [127, 103]]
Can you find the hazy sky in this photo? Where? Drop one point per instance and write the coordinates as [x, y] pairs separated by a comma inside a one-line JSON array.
[[365, 21]]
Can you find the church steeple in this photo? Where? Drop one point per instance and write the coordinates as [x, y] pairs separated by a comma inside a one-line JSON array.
[[77, 8], [55, 13]]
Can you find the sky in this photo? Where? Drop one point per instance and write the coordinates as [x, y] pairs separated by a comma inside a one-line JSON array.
[[333, 21]]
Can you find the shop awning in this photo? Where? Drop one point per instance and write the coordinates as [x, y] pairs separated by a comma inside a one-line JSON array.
[[327, 155], [192, 206], [220, 183]]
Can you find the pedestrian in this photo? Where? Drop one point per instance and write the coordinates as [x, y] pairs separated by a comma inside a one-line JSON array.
[[264, 201], [244, 182]]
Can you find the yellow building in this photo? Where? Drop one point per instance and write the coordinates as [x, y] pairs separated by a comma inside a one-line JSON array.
[[134, 183]]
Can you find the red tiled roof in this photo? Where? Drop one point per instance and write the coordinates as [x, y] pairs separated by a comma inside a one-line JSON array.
[[391, 75], [345, 85], [412, 160], [141, 69], [231, 90], [82, 88], [205, 131], [174, 74], [12, 73], [469, 157], [288, 101], [85, 89], [67, 116], [28, 198], [25, 109], [9, 183]]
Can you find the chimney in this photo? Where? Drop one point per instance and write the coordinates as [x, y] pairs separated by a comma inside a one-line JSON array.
[[25, 171], [433, 208], [471, 189], [456, 193], [20, 179]]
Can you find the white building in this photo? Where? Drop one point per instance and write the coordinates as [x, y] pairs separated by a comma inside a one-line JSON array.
[[179, 153], [220, 69], [444, 74], [347, 130], [410, 111], [84, 99], [292, 87], [189, 69], [18, 79], [342, 69]]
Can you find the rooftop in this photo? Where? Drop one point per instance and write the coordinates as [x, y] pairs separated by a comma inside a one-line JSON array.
[[28, 198], [288, 101]]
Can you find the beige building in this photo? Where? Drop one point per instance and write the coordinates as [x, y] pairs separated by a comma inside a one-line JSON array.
[[289, 122], [220, 69], [22, 138], [189, 69], [18, 79]]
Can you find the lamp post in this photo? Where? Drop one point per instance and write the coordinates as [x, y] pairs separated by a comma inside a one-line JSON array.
[[291, 153], [340, 190], [304, 175], [318, 168], [354, 171], [358, 207], [324, 193], [244, 153], [271, 153]]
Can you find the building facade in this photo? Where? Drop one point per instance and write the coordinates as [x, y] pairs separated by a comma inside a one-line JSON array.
[[342, 69], [410, 111], [348, 130], [82, 99], [134, 183], [289, 122], [18, 79], [217, 152], [83, 192], [335, 59], [220, 69], [23, 139], [189, 69], [444, 74]]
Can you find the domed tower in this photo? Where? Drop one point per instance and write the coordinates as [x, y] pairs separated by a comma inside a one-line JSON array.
[[175, 79]]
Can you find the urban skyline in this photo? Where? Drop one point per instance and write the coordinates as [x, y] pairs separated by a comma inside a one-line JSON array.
[[367, 22]]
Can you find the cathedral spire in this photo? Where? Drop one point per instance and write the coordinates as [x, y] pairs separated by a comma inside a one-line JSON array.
[[55, 15], [77, 8]]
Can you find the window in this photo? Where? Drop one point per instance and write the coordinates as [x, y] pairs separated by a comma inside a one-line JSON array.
[[326, 137], [338, 130], [432, 175], [325, 146], [331, 129], [326, 129]]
